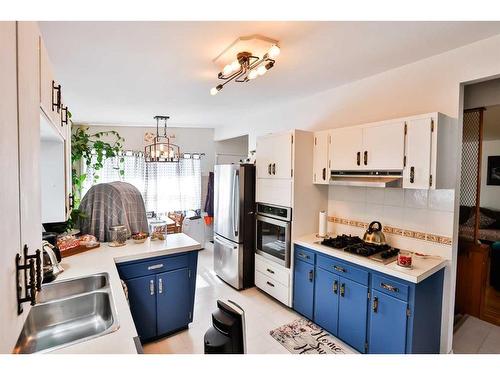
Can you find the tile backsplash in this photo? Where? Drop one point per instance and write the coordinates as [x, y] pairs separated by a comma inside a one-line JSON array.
[[427, 211]]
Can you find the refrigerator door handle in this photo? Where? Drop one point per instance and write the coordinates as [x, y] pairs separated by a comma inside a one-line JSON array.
[[236, 202]]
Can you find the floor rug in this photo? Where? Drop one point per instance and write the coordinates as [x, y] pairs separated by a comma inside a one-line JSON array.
[[304, 337]]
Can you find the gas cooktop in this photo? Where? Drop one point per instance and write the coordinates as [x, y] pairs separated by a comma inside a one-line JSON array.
[[355, 245]]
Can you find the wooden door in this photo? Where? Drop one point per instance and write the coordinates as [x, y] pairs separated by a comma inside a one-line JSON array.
[[282, 156], [142, 297], [303, 288], [383, 147], [264, 156], [326, 300], [346, 149], [417, 172]]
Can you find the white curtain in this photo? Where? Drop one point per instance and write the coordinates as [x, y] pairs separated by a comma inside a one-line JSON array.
[[165, 187]]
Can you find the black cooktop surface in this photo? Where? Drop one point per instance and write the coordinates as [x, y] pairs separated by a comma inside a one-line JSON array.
[[355, 245]]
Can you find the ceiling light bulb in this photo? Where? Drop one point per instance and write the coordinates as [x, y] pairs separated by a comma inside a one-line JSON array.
[[253, 74], [273, 51], [261, 70], [228, 69], [213, 91], [235, 65]]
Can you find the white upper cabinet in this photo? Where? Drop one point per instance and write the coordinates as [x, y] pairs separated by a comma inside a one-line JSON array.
[[274, 156], [346, 148], [321, 157], [417, 172], [383, 147]]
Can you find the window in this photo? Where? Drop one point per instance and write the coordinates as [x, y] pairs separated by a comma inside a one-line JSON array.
[[165, 187]]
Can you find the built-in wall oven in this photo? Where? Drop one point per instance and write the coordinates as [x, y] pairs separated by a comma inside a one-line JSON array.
[[273, 238]]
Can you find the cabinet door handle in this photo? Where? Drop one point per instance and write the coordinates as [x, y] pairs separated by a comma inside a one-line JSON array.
[[324, 174], [160, 286], [412, 175], [311, 276], [365, 157], [342, 289], [335, 287], [389, 287], [270, 284], [151, 287], [64, 118], [375, 305], [56, 98], [71, 199], [269, 168], [358, 158], [274, 168], [340, 269], [155, 266], [270, 271]]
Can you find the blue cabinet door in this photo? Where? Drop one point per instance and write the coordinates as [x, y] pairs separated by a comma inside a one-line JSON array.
[[387, 334], [173, 300], [326, 300], [353, 303], [142, 298], [303, 288]]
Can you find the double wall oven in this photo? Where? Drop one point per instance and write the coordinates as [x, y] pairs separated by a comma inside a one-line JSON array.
[[273, 238]]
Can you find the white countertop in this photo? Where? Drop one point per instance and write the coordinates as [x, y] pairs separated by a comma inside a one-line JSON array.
[[422, 268], [104, 259]]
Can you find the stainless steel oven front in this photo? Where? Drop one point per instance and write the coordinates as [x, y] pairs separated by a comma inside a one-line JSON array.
[[273, 237]]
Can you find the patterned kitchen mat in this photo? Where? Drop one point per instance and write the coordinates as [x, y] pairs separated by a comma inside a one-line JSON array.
[[304, 337]]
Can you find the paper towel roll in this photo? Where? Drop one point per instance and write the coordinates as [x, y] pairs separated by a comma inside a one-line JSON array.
[[322, 224]]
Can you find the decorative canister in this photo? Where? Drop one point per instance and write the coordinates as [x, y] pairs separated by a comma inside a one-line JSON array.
[[118, 235]]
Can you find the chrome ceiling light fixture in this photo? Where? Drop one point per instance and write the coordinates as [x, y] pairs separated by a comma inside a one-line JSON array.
[[247, 65], [162, 150]]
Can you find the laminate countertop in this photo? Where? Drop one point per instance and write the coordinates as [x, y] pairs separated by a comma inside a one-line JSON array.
[[422, 267], [104, 259]]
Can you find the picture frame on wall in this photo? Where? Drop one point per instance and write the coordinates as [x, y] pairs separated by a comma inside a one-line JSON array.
[[493, 177]]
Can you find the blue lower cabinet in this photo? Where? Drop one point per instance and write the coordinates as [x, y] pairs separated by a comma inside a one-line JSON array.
[[303, 291], [161, 293], [353, 302], [388, 324], [142, 299], [172, 301], [326, 300]]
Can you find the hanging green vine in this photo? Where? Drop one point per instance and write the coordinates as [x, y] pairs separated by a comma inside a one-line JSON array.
[[93, 150]]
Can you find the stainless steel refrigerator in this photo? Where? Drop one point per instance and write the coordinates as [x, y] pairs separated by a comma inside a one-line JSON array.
[[234, 224]]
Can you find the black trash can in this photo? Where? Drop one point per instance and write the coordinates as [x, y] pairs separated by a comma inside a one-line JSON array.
[[227, 336], [495, 266]]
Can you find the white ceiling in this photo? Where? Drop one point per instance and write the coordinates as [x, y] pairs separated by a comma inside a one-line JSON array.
[[127, 72]]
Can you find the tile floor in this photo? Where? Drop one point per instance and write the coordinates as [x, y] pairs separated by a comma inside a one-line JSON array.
[[261, 311], [476, 336]]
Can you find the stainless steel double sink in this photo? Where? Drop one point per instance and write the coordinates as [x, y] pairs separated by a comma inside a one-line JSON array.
[[68, 312]]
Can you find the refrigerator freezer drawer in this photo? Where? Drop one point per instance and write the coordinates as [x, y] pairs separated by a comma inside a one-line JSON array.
[[228, 261]]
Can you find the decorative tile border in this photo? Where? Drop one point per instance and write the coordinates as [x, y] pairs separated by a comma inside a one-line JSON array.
[[395, 231]]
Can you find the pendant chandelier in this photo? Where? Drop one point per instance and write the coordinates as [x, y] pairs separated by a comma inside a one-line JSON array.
[[248, 65], [162, 150]]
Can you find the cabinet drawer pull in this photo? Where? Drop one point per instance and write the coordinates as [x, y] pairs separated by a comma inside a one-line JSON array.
[[302, 255], [389, 287], [365, 157], [375, 304], [335, 286], [311, 275], [412, 175], [270, 284], [358, 158], [342, 289], [270, 271], [160, 286], [340, 269], [151, 287], [155, 266], [274, 168]]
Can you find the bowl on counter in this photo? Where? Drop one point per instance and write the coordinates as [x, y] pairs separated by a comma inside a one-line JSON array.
[[140, 237]]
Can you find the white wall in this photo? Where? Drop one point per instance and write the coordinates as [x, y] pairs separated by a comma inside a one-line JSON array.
[[188, 139], [231, 150], [490, 194]]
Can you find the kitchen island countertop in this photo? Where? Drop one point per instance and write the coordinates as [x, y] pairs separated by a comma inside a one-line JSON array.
[[422, 268], [104, 259]]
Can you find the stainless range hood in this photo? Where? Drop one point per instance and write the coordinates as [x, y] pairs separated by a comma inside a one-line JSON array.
[[392, 179]]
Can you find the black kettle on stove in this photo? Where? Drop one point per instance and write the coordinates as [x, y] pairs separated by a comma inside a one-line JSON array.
[[374, 234]]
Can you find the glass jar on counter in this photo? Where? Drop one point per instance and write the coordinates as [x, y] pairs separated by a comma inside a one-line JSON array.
[[118, 235]]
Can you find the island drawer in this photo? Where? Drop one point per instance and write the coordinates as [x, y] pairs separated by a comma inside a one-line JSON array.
[[390, 287], [137, 268], [343, 269]]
